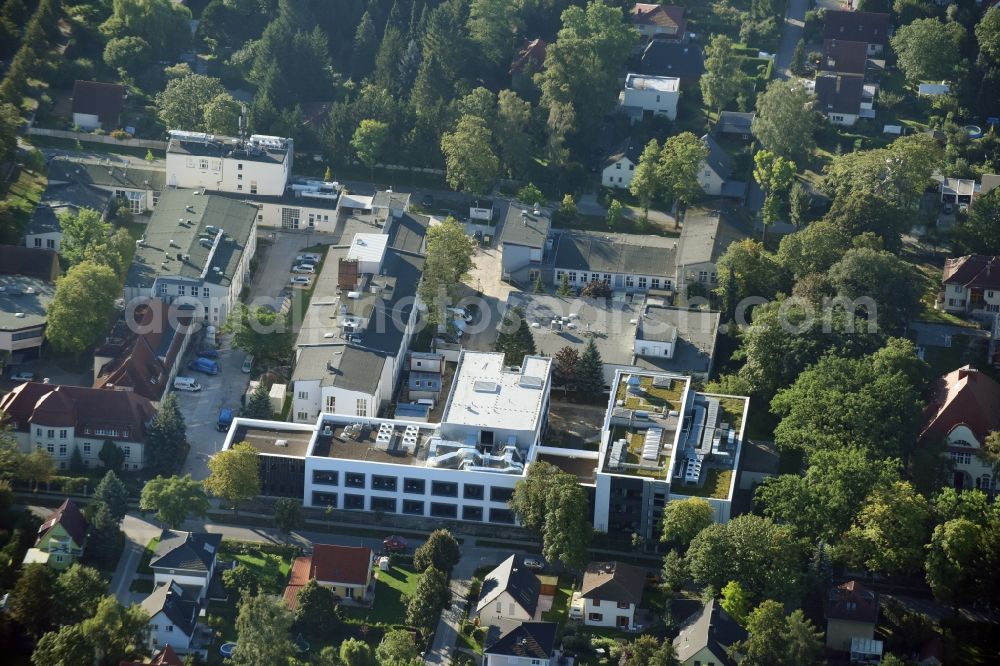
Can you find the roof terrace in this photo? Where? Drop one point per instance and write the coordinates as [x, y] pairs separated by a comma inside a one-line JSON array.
[[275, 441], [385, 442]]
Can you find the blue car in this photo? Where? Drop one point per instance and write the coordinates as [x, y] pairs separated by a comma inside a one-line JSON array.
[[205, 365], [209, 353]]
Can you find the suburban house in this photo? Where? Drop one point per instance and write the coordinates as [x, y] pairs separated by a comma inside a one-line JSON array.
[[346, 570], [611, 592], [841, 56], [624, 262], [165, 657], [675, 339], [682, 60], [706, 636], [509, 592], [523, 242], [97, 105], [735, 124], [972, 285], [963, 410], [144, 356], [137, 189], [872, 28], [260, 165], [27, 286], [851, 612], [339, 379], [645, 96], [173, 619], [63, 419], [196, 251], [61, 538], [186, 558], [619, 167], [957, 190], [659, 22], [844, 99], [715, 172], [705, 236], [44, 229], [525, 644]]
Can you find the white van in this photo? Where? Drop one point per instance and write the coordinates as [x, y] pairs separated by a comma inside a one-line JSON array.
[[186, 384], [426, 401]]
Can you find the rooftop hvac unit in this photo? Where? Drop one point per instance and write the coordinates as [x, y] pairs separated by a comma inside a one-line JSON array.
[[281, 442]]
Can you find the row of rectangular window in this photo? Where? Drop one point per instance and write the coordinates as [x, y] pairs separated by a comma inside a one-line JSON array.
[[63, 449], [412, 507], [630, 280], [412, 486]]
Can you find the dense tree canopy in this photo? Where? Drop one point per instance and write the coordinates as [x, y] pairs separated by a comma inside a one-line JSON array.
[[928, 49], [783, 124], [78, 313]]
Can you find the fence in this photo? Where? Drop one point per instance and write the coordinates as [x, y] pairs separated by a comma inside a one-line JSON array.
[[97, 138]]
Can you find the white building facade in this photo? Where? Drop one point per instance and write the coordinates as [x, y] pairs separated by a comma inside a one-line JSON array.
[[651, 95]]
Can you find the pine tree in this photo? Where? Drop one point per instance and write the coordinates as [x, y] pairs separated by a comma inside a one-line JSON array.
[[167, 438], [518, 343], [590, 373], [259, 404], [798, 65], [113, 494], [539, 287], [564, 289], [76, 460], [365, 47], [105, 537]]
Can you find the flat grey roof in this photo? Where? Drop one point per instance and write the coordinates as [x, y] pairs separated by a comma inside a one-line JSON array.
[[706, 234], [390, 199], [344, 366], [22, 294], [61, 197], [227, 146], [485, 393], [528, 229], [407, 232], [166, 235], [608, 324], [106, 174], [697, 332], [599, 252], [264, 440]]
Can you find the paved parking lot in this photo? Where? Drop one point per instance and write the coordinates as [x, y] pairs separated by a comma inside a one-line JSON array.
[[201, 409], [270, 282]]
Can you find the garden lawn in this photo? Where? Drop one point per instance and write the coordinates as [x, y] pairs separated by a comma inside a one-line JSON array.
[[271, 571], [147, 555], [390, 589], [560, 604], [931, 286], [716, 485]]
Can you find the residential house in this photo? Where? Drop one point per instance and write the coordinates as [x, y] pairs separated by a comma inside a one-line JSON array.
[[260, 165], [509, 592], [685, 61], [61, 538], [424, 381], [173, 619], [524, 240], [526, 644], [186, 558], [346, 570], [528, 60], [844, 57], [972, 285], [659, 22], [612, 592], [735, 124], [97, 105], [165, 657], [619, 167], [27, 286], [339, 379], [963, 410], [144, 355], [705, 236], [957, 190], [676, 339], [645, 96], [872, 28], [136, 188], [851, 612], [44, 229], [844, 99], [63, 419], [625, 262], [196, 251], [715, 173], [386, 204], [706, 636]]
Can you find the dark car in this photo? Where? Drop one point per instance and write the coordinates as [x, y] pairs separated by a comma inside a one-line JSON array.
[[395, 544], [208, 366], [427, 201], [209, 353]]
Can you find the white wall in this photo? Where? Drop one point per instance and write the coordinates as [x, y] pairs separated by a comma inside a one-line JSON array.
[[504, 660], [844, 119], [8, 343], [223, 174], [159, 636], [709, 180], [86, 121], [660, 102], [618, 174], [309, 217], [51, 240], [609, 612], [29, 441], [509, 609], [653, 348]]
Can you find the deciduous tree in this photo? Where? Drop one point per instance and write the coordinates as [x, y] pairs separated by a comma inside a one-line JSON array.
[[549, 501], [890, 532], [979, 232], [398, 649], [564, 365], [472, 166], [182, 104], [233, 475], [784, 124], [317, 610], [80, 232], [734, 601], [355, 652], [680, 161], [222, 115], [813, 249], [449, 260], [927, 49], [262, 629], [683, 519], [646, 183], [882, 286], [78, 313], [261, 332], [723, 79], [746, 269], [174, 499], [440, 551], [78, 590], [287, 514], [369, 141], [31, 601], [428, 600]]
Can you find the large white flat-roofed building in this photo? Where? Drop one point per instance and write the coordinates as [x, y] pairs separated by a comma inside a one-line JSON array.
[[646, 95], [27, 286], [196, 250], [258, 165]]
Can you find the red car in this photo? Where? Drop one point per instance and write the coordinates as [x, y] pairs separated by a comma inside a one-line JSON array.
[[395, 544]]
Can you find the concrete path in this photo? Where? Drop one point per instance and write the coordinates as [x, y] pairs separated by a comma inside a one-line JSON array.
[[138, 533], [791, 33], [451, 619]]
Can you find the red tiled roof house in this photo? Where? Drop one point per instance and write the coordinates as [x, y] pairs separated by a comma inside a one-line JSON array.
[[97, 105], [655, 21], [972, 284], [347, 570], [851, 612]]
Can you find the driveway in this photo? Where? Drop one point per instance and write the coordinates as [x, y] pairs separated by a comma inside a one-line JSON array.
[[791, 33], [201, 409]]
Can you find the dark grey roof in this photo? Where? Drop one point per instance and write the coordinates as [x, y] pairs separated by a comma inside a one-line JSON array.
[[228, 147], [289, 198], [532, 640], [680, 59], [734, 122], [64, 197], [696, 330], [718, 158], [844, 56], [626, 150], [515, 579], [176, 603], [759, 456], [706, 234], [868, 27], [349, 367], [408, 231], [109, 174], [390, 199], [839, 94], [709, 628], [615, 253], [384, 333], [191, 551], [528, 229]]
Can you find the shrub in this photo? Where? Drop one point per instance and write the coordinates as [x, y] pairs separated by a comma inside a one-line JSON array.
[[120, 134]]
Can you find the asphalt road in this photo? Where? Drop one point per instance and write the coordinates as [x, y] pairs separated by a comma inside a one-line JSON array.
[[791, 33]]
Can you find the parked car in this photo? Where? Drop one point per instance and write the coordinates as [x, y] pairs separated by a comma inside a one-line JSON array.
[[186, 384], [206, 365], [395, 544], [209, 353], [304, 258], [461, 313], [948, 209], [535, 563], [225, 419], [301, 281], [427, 201], [247, 364], [23, 376], [304, 268]]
